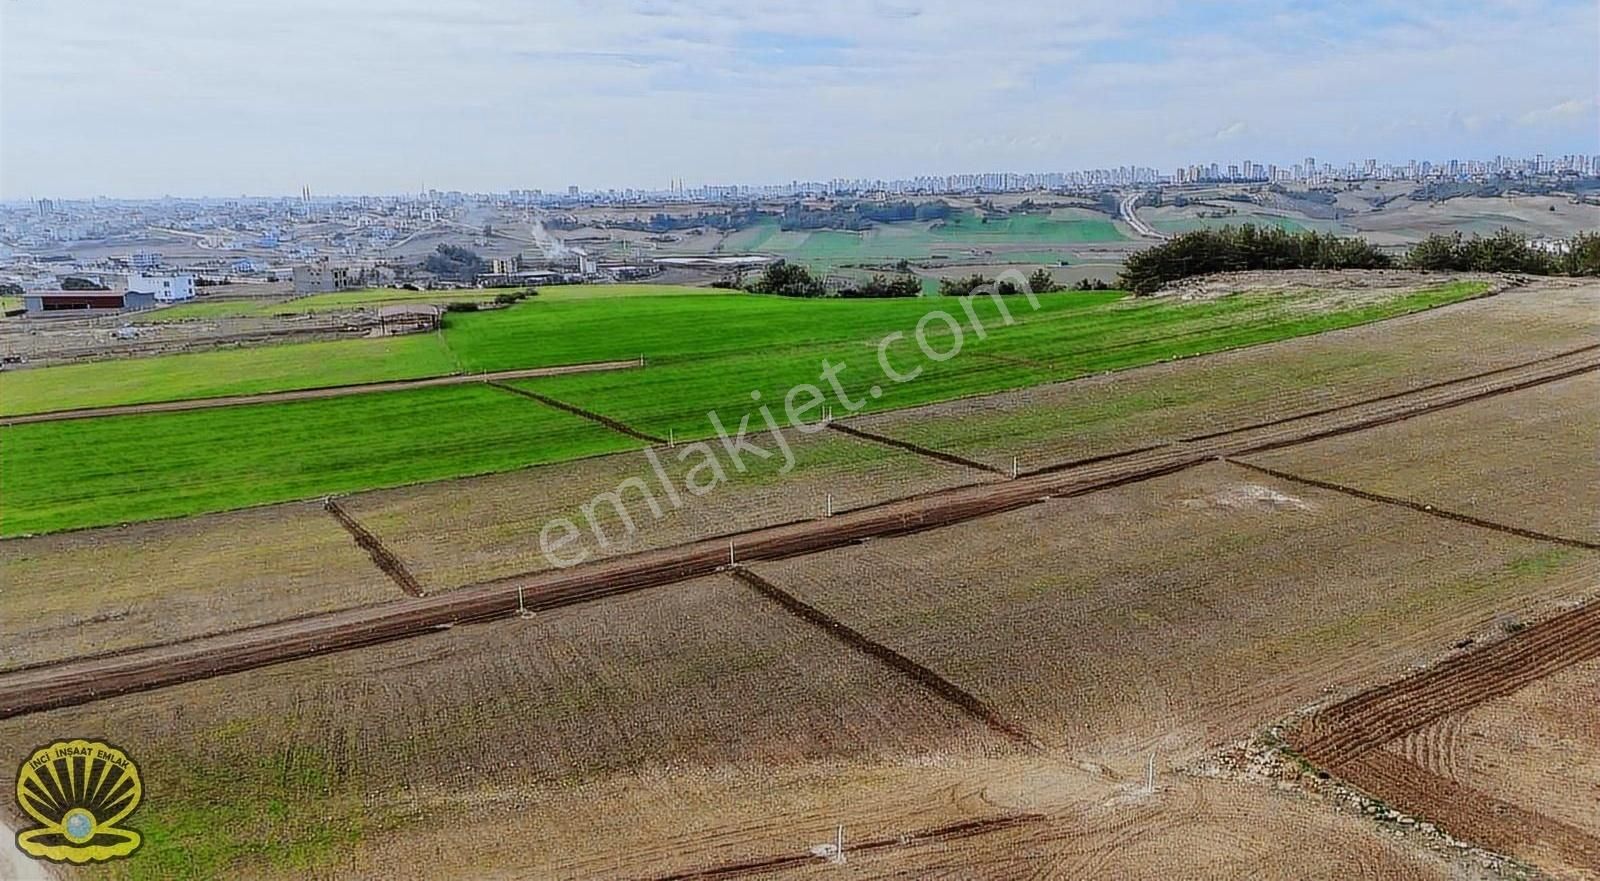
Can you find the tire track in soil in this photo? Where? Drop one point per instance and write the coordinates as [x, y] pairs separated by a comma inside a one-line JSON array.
[[382, 557], [951, 693], [307, 394], [1348, 739], [1363, 723], [928, 452], [78, 681], [1416, 506], [607, 421], [768, 865], [1465, 812]]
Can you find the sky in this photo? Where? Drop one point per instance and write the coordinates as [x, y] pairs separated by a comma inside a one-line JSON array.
[[224, 97]]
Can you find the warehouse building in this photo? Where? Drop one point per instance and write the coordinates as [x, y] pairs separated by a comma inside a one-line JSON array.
[[45, 303]]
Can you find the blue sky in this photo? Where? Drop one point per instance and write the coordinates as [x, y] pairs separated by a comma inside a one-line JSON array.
[[218, 97]]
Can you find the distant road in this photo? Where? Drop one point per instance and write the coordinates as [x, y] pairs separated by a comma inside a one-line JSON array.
[[307, 394], [1128, 213]]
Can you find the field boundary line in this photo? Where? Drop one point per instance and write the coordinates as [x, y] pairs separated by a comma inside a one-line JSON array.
[[921, 675], [382, 557], [1463, 811], [908, 446], [1443, 383], [767, 865], [1416, 506], [76, 681], [607, 421], [1364, 722], [309, 394], [1383, 419]]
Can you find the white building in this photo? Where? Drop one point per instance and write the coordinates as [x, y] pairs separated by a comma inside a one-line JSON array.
[[165, 288], [145, 260]]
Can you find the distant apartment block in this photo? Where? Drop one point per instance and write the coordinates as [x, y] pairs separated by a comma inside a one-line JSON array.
[[322, 277], [144, 260]]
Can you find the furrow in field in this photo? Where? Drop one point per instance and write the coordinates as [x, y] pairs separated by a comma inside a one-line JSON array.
[[80, 681], [924, 677]]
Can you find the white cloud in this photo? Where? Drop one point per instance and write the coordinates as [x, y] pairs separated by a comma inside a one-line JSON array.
[[230, 96]]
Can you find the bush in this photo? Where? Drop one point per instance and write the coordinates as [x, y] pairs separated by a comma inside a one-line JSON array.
[[1505, 251], [506, 299], [879, 287], [962, 287], [787, 280], [1091, 284], [461, 306], [1583, 255], [1240, 248], [1040, 281]]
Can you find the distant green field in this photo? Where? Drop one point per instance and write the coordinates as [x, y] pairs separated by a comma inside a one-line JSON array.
[[962, 232], [705, 353], [127, 468]]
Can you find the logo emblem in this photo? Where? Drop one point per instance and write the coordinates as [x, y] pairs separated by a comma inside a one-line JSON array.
[[78, 791]]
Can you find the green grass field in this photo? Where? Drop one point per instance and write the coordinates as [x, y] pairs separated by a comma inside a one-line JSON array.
[[341, 300], [222, 372], [127, 468], [705, 353], [962, 232]]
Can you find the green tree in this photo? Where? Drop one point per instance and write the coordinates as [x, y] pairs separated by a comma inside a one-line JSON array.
[[786, 279]]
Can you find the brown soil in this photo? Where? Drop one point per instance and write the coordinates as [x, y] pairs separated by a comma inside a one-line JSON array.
[[1530, 460], [1101, 623], [73, 682], [82, 593], [1094, 416]]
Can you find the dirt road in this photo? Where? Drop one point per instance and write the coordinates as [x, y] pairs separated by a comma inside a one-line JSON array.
[[28, 690], [333, 391]]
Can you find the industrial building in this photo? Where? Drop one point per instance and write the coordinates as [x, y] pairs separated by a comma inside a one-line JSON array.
[[43, 303]]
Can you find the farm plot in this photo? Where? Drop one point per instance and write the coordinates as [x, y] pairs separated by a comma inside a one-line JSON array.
[[482, 528], [1097, 415], [383, 446], [130, 468], [316, 764], [222, 372], [101, 590], [1176, 613], [1192, 828], [1058, 342], [1529, 460], [1538, 748]]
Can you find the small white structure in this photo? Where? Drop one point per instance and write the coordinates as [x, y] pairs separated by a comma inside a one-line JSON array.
[[165, 288]]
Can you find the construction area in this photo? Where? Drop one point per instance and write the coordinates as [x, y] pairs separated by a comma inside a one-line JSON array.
[[1321, 607]]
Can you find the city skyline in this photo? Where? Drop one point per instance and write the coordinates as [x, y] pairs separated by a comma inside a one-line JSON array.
[[1308, 170], [229, 98]]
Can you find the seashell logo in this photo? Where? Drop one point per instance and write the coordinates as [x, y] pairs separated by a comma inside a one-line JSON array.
[[78, 791]]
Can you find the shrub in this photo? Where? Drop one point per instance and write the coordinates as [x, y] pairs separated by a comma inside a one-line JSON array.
[[1040, 281], [787, 280], [1505, 251], [879, 287], [461, 306], [1240, 248], [961, 287]]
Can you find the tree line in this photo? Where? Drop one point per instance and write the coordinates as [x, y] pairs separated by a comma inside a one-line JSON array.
[[1248, 247]]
